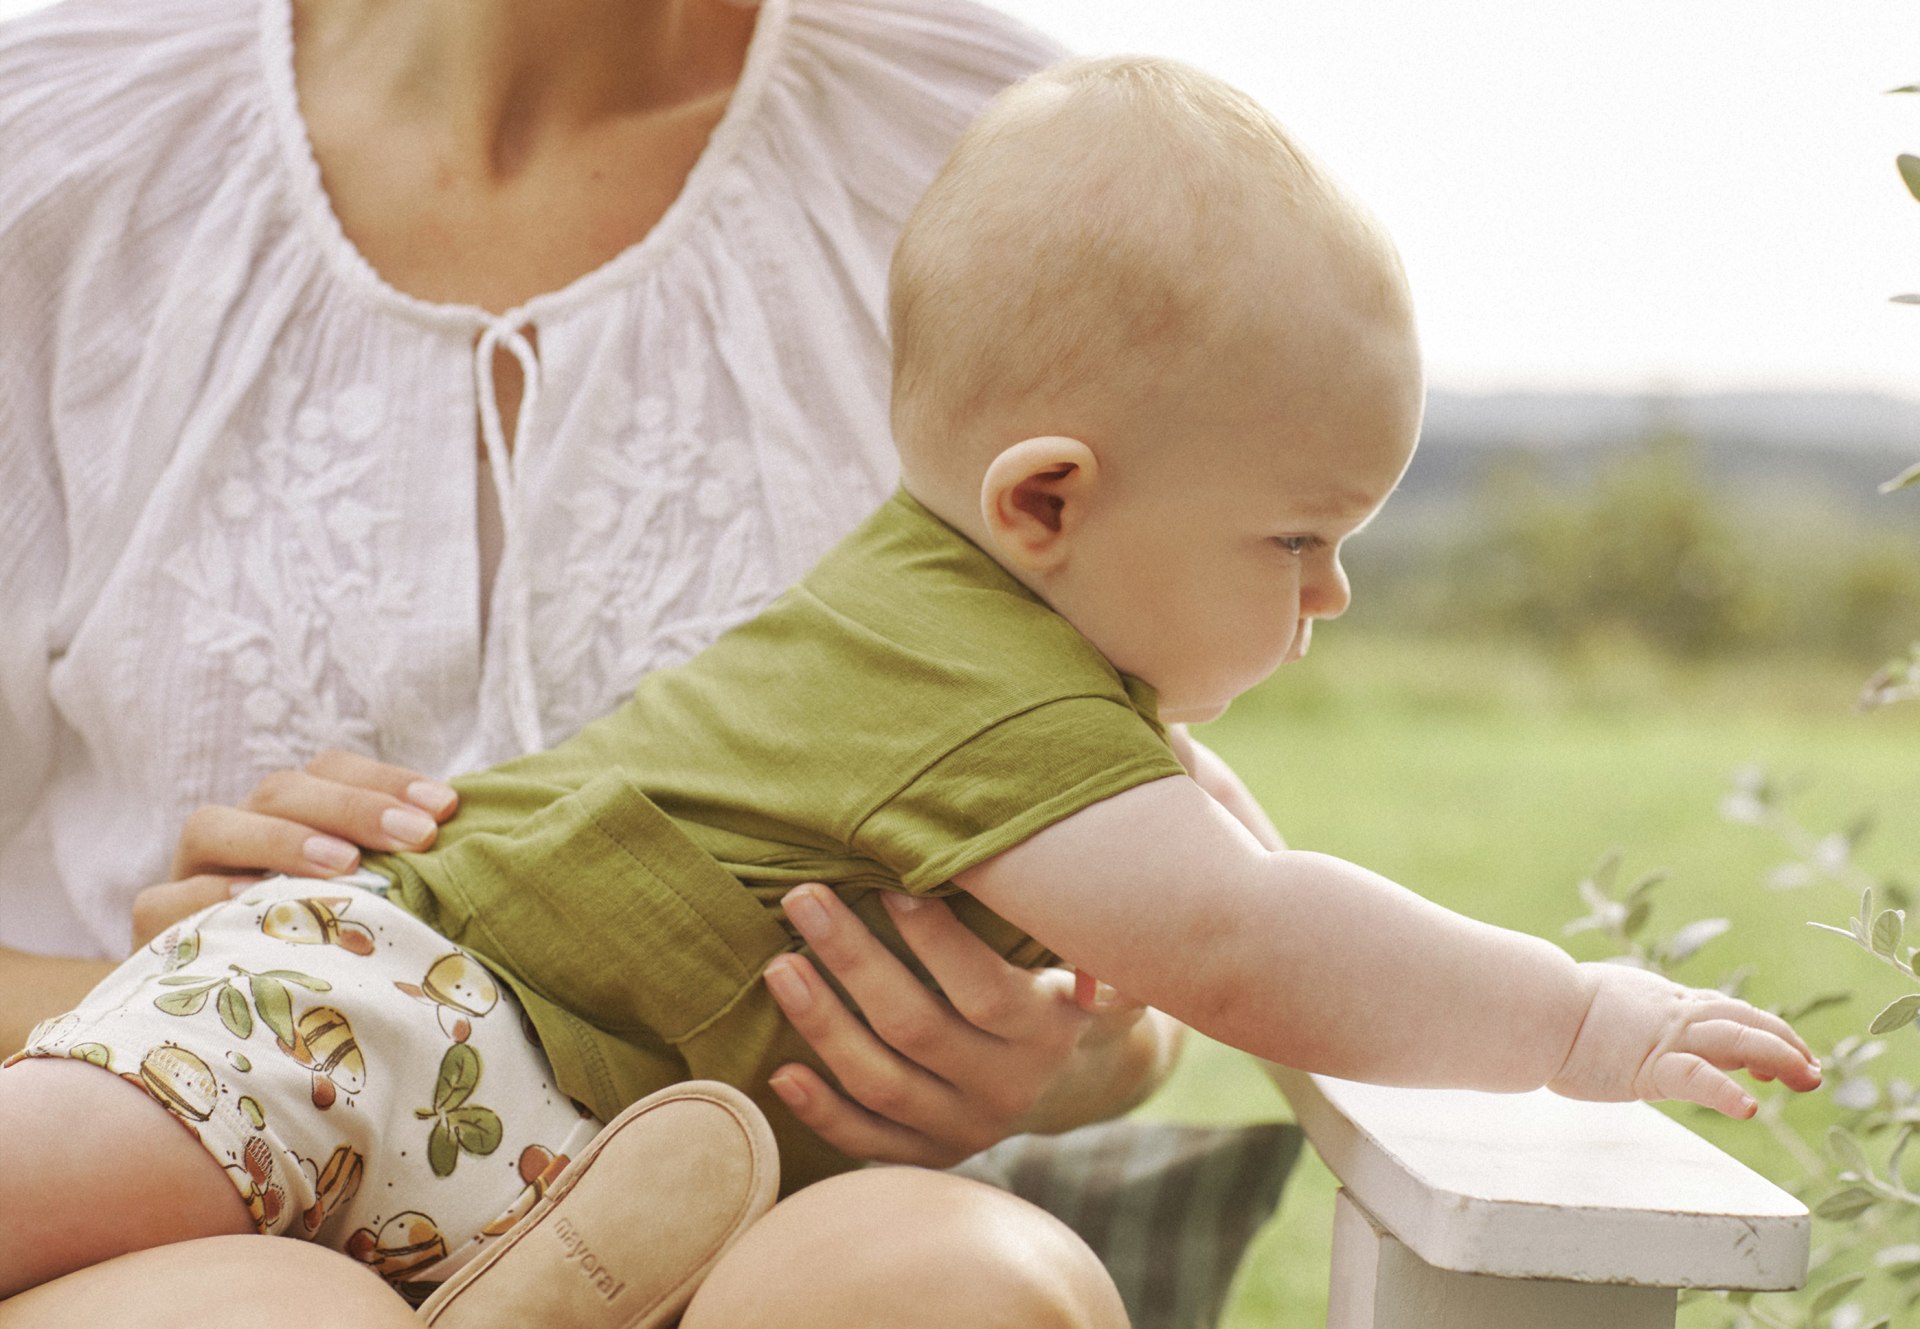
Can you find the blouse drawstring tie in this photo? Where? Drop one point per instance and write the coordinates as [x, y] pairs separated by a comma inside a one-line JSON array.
[[512, 596]]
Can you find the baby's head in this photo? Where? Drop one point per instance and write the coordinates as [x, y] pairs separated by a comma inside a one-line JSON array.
[[1151, 358]]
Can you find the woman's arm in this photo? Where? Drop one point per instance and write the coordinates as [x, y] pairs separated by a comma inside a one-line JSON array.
[[932, 1078]]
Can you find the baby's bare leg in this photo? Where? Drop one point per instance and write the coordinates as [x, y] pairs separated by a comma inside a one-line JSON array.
[[909, 1249], [217, 1283], [91, 1168]]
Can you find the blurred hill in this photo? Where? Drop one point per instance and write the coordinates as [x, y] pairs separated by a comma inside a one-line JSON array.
[[1756, 449]]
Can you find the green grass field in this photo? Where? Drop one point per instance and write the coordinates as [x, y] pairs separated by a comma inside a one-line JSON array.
[[1492, 779]]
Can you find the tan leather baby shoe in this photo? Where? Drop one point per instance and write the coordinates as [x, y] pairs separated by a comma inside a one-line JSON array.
[[625, 1235]]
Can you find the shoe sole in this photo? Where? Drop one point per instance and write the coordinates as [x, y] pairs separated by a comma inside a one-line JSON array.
[[630, 1230]]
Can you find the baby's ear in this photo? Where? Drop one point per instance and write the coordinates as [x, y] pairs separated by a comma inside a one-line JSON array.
[[1033, 497]]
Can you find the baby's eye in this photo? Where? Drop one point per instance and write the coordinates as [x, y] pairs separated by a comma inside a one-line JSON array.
[[1298, 544]]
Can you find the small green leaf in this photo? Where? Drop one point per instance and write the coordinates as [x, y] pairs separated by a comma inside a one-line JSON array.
[[1637, 915], [1840, 1206], [1910, 87], [1900, 300], [443, 1150], [459, 1073], [1886, 932], [1893, 1159], [1645, 883], [186, 1003], [270, 998], [1847, 1152], [1900, 1011], [181, 980], [233, 1011], [1834, 1293], [477, 1129], [240, 1062], [1909, 171], [250, 1109], [1820, 1002], [1910, 476]]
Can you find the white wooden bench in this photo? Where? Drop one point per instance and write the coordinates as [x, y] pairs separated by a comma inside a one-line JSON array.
[[1462, 1210]]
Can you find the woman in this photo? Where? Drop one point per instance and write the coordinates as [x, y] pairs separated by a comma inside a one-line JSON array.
[[546, 340]]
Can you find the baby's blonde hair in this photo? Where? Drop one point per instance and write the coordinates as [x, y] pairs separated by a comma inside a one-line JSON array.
[[1102, 226]]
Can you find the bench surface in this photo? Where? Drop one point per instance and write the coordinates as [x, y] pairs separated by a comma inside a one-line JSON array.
[[1539, 1186]]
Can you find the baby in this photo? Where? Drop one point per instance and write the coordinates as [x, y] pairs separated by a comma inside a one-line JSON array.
[[1152, 368]]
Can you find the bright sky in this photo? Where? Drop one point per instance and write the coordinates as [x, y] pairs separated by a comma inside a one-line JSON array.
[[1676, 195], [1642, 194]]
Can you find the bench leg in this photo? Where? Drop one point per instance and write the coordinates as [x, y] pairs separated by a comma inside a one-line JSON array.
[[1380, 1284]]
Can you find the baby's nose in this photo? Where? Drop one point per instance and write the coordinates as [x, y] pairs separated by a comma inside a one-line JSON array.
[[1328, 595]]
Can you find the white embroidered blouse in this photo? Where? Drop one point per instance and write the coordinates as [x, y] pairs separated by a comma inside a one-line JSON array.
[[238, 483]]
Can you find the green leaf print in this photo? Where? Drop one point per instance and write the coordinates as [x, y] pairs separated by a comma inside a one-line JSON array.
[[477, 1129], [275, 1006], [187, 1002], [186, 952], [307, 981], [459, 1075], [233, 1011], [181, 980], [443, 1150]]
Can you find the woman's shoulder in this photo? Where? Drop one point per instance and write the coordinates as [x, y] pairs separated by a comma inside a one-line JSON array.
[[891, 83], [95, 90]]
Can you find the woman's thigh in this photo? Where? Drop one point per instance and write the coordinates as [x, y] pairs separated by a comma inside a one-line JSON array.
[[910, 1249], [228, 1282]]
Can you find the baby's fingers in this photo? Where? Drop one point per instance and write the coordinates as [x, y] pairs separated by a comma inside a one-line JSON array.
[[1732, 1045], [1685, 1076]]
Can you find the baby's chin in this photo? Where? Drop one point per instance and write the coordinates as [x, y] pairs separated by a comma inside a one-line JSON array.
[[1194, 713]]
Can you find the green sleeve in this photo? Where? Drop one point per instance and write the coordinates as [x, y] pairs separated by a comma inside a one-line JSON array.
[[1008, 783]]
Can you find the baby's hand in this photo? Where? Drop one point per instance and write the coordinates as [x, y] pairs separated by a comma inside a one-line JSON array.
[[1645, 1037]]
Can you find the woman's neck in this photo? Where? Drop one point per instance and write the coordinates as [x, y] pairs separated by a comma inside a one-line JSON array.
[[498, 77]]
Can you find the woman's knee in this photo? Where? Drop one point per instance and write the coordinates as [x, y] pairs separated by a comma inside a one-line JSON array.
[[910, 1249]]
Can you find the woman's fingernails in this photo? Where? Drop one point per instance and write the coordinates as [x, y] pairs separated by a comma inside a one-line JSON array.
[[808, 915], [903, 904], [408, 825], [791, 1091], [323, 851], [433, 796], [788, 988]]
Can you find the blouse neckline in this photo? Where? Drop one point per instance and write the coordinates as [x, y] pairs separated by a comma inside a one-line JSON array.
[[765, 50]]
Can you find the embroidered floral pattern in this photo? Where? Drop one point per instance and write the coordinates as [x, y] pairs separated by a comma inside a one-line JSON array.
[[286, 574], [667, 546]]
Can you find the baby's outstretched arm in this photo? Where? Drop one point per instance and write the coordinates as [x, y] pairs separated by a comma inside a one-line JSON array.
[[1645, 1037], [1314, 962]]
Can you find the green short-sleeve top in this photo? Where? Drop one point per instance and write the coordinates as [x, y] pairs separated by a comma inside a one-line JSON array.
[[908, 711]]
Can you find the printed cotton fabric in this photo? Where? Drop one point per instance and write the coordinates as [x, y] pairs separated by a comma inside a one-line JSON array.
[[364, 1083]]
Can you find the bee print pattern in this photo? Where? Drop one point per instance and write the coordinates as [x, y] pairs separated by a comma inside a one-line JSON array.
[[402, 1246], [460, 990], [317, 922], [335, 1182], [180, 1082], [539, 1168], [260, 1187], [323, 1042]]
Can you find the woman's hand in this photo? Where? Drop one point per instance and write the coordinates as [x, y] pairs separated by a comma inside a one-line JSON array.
[[931, 1079], [312, 822]]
